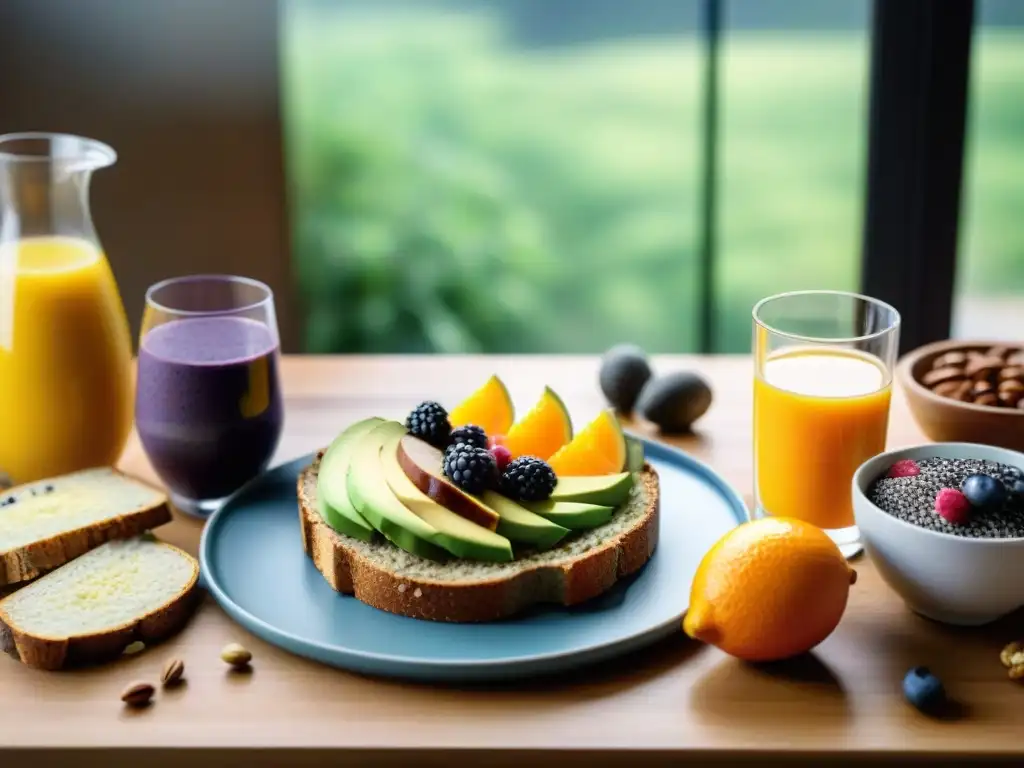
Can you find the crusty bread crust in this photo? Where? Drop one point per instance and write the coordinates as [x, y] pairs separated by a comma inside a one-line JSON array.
[[39, 557], [52, 653], [572, 580]]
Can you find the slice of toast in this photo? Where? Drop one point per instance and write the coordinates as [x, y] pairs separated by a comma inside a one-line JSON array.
[[91, 609], [46, 524], [386, 577]]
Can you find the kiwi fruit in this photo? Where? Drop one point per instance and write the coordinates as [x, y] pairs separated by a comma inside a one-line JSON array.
[[674, 401], [624, 371]]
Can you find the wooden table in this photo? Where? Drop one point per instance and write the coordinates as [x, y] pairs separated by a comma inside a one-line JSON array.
[[677, 699]]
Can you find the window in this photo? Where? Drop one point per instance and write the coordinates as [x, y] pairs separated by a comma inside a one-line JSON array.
[[793, 142], [989, 298], [527, 175], [516, 176]]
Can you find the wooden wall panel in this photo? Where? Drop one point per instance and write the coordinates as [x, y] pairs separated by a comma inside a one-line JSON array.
[[187, 92]]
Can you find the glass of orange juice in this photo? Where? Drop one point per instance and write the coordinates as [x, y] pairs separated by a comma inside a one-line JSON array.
[[65, 347], [823, 368]]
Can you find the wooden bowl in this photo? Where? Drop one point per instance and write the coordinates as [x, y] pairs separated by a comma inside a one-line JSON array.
[[944, 419]]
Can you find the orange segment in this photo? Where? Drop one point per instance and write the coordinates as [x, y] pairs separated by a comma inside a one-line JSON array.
[[545, 429], [600, 449], [490, 408], [768, 590]]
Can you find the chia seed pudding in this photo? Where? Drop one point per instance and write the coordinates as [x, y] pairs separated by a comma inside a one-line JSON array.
[[913, 498]]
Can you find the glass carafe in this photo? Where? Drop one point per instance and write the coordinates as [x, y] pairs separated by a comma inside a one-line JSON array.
[[65, 347]]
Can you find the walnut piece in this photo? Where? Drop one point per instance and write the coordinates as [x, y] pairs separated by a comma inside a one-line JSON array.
[[1013, 654]]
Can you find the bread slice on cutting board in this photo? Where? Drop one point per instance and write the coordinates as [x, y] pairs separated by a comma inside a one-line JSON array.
[[46, 524], [91, 609]]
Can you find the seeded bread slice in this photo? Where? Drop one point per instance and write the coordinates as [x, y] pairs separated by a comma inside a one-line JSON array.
[[46, 524], [386, 577], [91, 609]]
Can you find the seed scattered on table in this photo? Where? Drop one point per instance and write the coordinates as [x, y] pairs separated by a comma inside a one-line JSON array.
[[174, 669], [133, 648], [138, 694], [236, 655]]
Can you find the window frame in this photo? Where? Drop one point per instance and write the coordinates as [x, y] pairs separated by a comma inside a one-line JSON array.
[[920, 71]]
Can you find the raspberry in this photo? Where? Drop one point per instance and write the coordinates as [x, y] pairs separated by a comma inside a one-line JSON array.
[[904, 468], [502, 456], [953, 506], [494, 440]]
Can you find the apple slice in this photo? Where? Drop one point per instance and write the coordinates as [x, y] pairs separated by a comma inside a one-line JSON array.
[[422, 462]]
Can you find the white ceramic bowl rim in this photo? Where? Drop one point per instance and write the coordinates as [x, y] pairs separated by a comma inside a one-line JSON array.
[[928, 451]]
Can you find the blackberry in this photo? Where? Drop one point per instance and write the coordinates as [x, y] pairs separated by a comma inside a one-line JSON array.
[[470, 434], [528, 478], [472, 469], [429, 421]]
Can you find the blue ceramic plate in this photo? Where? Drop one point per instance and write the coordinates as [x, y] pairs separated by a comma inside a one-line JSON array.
[[253, 564]]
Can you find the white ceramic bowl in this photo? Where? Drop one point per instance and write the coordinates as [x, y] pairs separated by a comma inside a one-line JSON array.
[[952, 579]]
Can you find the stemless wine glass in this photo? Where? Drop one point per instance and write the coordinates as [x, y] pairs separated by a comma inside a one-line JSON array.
[[823, 368], [208, 407]]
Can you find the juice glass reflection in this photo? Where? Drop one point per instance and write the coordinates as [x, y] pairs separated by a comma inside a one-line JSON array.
[[208, 407], [823, 368]]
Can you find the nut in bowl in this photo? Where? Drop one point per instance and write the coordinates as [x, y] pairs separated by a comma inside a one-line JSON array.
[[967, 391], [944, 525]]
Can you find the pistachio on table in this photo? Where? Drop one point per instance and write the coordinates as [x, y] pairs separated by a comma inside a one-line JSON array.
[[174, 669], [138, 694], [236, 655]]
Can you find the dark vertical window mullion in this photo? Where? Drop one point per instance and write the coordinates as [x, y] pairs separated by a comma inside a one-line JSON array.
[[920, 62], [707, 251]]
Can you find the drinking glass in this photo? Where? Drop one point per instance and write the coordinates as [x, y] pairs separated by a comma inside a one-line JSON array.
[[65, 344], [823, 369], [208, 408]]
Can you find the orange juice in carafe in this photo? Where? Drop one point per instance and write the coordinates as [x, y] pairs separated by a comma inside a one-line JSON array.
[[818, 414], [65, 358]]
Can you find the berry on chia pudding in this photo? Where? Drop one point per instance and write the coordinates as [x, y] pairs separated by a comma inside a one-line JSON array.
[[912, 498]]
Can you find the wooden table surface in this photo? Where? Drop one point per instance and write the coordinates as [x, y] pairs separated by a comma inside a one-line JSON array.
[[675, 699]]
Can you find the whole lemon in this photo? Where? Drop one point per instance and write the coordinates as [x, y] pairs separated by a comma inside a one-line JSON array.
[[769, 589]]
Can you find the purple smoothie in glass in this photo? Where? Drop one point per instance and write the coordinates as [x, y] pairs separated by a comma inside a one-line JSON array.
[[208, 406]]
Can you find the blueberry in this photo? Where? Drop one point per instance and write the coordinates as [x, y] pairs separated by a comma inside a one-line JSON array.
[[923, 689], [983, 491], [1017, 488]]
